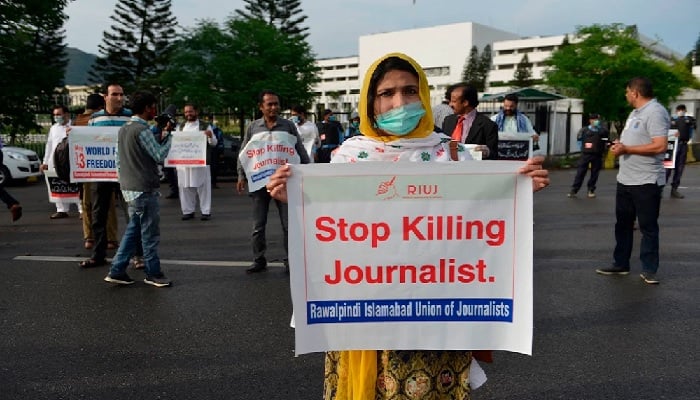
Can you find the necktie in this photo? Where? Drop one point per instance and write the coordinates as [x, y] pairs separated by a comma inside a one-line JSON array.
[[457, 133]]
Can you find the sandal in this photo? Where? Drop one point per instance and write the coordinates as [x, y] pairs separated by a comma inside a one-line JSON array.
[[112, 244], [91, 263], [89, 243], [137, 262]]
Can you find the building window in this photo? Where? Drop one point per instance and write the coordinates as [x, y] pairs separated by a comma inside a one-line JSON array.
[[354, 91], [505, 52], [341, 78], [352, 66], [352, 78]]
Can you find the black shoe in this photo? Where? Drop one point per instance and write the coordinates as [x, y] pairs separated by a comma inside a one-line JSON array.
[[613, 271], [571, 194], [206, 217], [186, 217], [59, 215], [649, 278], [255, 268], [119, 279]]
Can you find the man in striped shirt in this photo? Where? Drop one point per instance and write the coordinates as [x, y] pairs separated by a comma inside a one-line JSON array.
[[114, 114]]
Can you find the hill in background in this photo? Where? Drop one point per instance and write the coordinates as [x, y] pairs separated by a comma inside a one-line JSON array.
[[78, 68]]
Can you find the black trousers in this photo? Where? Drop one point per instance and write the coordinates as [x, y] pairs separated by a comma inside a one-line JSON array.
[[681, 156], [102, 193], [595, 160], [4, 196]]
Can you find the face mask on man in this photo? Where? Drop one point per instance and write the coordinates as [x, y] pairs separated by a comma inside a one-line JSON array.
[[355, 124], [402, 120], [295, 119], [332, 118], [596, 123], [681, 114], [58, 119]]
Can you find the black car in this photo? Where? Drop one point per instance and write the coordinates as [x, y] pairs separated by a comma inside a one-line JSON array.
[[228, 160]]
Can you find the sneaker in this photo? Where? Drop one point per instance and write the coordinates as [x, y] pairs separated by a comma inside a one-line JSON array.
[[157, 281], [649, 278], [613, 271], [16, 212], [675, 194], [591, 194], [571, 194], [119, 279]]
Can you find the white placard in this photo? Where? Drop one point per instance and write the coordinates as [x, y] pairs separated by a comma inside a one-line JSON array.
[[264, 153], [93, 153], [187, 149], [415, 258]]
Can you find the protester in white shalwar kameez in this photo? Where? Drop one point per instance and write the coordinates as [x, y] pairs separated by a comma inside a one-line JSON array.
[[195, 182], [56, 134]]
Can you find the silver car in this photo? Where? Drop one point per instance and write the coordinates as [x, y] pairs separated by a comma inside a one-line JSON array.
[[18, 163]]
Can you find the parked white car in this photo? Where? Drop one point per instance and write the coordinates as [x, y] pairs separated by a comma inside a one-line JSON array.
[[18, 163]]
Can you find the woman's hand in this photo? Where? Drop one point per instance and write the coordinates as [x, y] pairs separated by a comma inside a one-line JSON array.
[[277, 186], [534, 169]]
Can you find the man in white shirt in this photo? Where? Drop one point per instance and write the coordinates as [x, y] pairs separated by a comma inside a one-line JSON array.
[[307, 130], [57, 132], [195, 182]]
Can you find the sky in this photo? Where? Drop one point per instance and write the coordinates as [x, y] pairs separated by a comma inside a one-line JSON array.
[[335, 25]]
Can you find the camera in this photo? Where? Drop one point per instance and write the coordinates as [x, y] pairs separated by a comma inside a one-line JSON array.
[[163, 119], [167, 116]]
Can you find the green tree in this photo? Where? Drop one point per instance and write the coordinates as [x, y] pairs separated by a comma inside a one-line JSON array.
[[693, 57], [285, 15], [194, 72], [597, 64], [33, 60], [229, 66], [484, 68], [523, 73], [470, 73], [137, 49]]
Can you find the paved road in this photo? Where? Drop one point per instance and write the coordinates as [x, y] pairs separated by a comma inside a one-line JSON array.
[[222, 334]]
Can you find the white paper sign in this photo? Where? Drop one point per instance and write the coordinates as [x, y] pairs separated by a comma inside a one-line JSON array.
[[61, 191], [264, 153], [400, 256], [671, 149], [187, 149], [93, 153]]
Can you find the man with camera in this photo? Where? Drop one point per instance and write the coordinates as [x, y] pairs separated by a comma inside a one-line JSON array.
[[195, 182]]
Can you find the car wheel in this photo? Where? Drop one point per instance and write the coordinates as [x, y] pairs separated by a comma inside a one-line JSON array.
[[5, 176]]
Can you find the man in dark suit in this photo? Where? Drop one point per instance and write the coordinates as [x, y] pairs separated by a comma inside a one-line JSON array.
[[468, 126]]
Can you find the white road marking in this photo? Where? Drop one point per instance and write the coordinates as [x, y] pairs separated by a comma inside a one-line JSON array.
[[162, 261]]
